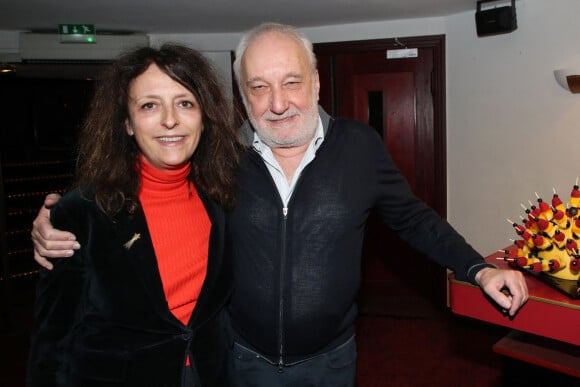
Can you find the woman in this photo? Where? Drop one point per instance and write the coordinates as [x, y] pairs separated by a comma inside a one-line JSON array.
[[139, 304]]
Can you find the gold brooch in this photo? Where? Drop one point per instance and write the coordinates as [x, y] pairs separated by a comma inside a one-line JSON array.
[[132, 240]]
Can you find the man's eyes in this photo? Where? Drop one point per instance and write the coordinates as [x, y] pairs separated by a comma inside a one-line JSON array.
[[292, 84], [261, 89]]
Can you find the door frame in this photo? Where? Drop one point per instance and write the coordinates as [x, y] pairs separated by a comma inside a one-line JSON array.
[[431, 132]]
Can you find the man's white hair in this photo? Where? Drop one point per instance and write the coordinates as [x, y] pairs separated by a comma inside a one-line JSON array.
[[263, 29]]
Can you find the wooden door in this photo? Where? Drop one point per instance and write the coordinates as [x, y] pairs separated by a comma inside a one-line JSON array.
[[403, 99]]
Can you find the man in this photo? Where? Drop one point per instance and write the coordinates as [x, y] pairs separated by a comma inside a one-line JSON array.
[[295, 235]]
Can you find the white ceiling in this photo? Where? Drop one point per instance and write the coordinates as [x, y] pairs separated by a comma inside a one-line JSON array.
[[194, 16]]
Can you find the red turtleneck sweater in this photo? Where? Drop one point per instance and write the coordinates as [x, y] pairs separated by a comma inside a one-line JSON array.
[[179, 228]]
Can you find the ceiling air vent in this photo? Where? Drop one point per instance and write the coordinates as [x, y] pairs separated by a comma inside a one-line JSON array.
[[41, 46]]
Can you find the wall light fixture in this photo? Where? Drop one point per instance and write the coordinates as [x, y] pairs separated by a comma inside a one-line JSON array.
[[569, 79]]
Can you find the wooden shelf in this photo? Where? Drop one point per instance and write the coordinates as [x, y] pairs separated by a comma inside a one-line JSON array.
[[555, 355]]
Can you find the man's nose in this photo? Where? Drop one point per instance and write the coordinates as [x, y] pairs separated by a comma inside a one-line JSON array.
[[279, 101]]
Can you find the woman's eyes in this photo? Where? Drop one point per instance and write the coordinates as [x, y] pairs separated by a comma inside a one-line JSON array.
[[153, 105], [186, 104]]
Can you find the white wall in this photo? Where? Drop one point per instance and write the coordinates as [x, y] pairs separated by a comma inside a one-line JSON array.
[[219, 46], [511, 130]]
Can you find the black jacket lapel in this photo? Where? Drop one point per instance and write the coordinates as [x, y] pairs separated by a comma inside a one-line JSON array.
[[133, 230]]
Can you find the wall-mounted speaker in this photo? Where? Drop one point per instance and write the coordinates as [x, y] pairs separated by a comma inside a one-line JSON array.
[[498, 20]]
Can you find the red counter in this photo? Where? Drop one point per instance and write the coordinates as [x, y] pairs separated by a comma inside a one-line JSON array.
[[547, 313]]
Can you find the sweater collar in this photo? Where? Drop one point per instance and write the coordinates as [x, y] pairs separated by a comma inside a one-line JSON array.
[[153, 179]]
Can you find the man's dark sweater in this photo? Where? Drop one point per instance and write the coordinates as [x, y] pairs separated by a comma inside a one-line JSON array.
[[297, 270]]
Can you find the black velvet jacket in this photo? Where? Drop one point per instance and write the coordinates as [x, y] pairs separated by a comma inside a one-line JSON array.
[[102, 319]]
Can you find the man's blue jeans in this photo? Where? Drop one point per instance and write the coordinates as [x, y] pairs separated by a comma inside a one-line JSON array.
[[335, 368]]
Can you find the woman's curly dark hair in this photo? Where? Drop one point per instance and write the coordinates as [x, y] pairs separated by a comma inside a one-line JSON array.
[[108, 161]]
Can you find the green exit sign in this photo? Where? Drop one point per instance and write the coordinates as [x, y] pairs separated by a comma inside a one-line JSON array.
[[77, 33]]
